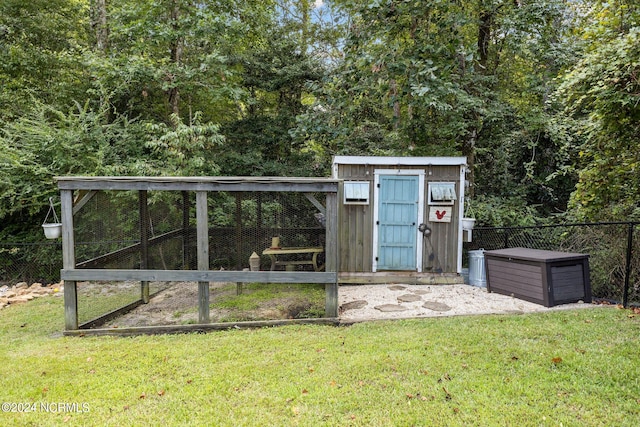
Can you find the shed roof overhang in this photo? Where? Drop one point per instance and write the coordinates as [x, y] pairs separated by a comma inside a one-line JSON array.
[[198, 183], [396, 161]]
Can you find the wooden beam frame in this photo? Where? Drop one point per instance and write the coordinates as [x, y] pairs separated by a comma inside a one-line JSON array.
[[68, 260], [144, 242], [201, 275], [265, 184], [201, 186], [202, 217], [180, 329]]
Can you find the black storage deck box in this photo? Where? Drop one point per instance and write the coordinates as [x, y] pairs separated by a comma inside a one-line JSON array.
[[543, 277]]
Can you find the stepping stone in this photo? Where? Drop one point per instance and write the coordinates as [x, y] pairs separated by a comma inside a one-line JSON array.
[[409, 298], [436, 306], [353, 305], [420, 291], [388, 308], [397, 288]]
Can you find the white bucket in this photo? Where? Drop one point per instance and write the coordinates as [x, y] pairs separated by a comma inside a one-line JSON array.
[[52, 230]]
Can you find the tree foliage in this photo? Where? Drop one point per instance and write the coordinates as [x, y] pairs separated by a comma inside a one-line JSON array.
[[540, 96], [602, 94], [40, 49], [449, 78], [600, 98]]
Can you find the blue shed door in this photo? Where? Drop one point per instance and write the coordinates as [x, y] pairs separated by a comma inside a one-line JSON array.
[[397, 222]]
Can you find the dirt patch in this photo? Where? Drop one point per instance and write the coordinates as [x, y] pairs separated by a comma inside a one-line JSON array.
[[178, 305]]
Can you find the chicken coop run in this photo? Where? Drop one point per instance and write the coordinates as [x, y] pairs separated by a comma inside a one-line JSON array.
[[133, 237]]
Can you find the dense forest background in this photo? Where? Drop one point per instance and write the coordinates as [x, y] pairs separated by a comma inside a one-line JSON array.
[[542, 96]]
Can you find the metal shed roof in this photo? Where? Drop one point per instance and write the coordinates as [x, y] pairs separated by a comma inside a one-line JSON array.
[[396, 161]]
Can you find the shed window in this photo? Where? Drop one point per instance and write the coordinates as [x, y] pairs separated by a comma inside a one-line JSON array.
[[442, 193], [356, 192]]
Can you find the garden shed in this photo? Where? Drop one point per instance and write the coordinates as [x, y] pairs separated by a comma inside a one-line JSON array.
[[400, 218]]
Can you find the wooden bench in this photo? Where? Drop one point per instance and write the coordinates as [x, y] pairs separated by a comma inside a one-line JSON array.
[[274, 253]]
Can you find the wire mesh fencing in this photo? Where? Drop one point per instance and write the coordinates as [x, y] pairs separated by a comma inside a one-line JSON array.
[[157, 230], [613, 248], [109, 234], [30, 262]]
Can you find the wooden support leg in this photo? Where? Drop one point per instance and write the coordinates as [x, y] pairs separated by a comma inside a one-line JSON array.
[[331, 300], [69, 261], [203, 302], [202, 226], [144, 292], [144, 242], [70, 305]]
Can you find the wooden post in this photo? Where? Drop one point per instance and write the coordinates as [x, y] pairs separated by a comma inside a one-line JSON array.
[[144, 243], [627, 270], [259, 237], [69, 260], [331, 255], [185, 230], [202, 227], [238, 231]]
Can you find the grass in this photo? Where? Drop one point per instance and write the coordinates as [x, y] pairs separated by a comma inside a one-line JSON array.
[[292, 300], [570, 368], [253, 294], [258, 301]]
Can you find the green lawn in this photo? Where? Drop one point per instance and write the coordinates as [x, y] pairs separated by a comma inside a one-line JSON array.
[[569, 368]]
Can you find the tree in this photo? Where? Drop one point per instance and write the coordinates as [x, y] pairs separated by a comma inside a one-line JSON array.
[[449, 78], [168, 57], [40, 51], [600, 95], [276, 75]]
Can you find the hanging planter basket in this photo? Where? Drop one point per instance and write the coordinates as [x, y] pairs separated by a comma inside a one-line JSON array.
[[52, 230], [468, 223]]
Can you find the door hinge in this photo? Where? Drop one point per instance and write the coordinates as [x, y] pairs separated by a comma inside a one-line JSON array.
[[377, 222]]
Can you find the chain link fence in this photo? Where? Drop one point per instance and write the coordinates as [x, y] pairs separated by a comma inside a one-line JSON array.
[[111, 226], [613, 248]]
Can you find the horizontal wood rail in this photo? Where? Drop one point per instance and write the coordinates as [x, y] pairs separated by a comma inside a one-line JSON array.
[[200, 276]]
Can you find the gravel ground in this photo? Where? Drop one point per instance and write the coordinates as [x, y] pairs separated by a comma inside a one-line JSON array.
[[376, 302]]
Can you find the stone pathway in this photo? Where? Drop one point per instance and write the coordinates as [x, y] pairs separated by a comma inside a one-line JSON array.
[[372, 302]]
